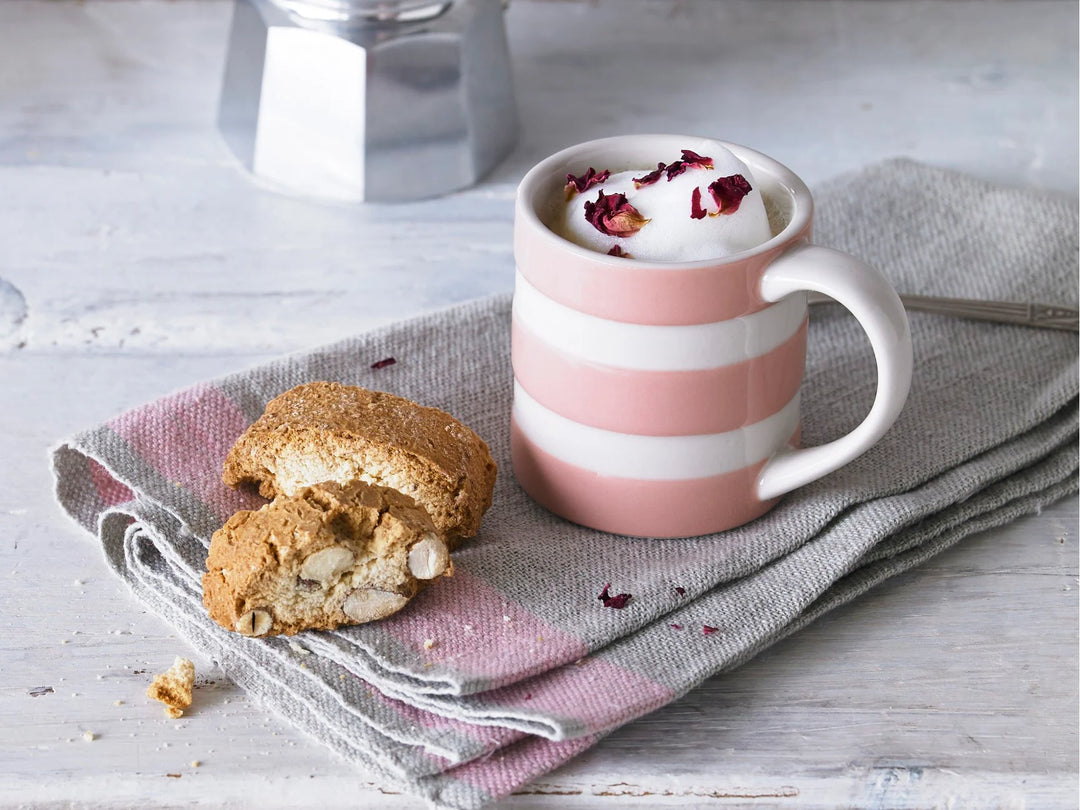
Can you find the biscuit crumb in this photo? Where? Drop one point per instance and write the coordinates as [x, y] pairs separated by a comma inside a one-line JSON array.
[[89, 736], [173, 687], [195, 763], [429, 643]]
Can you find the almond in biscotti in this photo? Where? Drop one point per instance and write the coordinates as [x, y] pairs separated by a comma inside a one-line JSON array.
[[326, 556], [326, 431]]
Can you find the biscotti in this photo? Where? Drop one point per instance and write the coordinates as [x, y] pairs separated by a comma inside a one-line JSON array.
[[326, 556], [325, 431]]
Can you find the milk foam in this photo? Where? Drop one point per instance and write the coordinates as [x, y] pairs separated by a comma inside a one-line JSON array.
[[672, 234]]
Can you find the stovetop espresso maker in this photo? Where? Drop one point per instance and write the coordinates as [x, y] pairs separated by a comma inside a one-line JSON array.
[[379, 100]]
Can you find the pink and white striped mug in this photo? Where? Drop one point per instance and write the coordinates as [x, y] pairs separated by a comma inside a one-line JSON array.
[[661, 399]]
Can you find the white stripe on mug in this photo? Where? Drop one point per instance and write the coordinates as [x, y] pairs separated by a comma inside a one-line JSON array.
[[656, 348], [652, 458]]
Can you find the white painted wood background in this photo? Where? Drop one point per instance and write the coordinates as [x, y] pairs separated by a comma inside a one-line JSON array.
[[136, 258]]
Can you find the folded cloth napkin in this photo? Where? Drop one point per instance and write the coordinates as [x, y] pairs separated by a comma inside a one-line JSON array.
[[514, 665]]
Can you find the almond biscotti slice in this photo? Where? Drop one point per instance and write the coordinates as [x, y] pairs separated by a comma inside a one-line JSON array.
[[328, 555], [325, 431]]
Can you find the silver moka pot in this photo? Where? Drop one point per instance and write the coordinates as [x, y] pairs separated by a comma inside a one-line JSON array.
[[368, 100]]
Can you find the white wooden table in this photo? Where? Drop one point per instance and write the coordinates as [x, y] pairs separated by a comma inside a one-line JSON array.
[[136, 258]]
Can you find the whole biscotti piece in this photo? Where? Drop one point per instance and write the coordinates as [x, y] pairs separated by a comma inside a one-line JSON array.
[[326, 556], [325, 431]]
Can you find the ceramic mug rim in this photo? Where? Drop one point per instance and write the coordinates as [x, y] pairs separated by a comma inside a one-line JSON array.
[[639, 151]]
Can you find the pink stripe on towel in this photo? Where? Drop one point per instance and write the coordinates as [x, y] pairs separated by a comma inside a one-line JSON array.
[[582, 691], [110, 491], [185, 438], [474, 629], [509, 768], [489, 736]]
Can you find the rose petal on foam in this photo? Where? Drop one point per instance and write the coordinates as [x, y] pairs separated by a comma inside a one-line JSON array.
[[673, 170], [613, 215], [651, 177], [579, 185], [690, 160], [696, 211], [618, 251], [696, 161], [728, 193]]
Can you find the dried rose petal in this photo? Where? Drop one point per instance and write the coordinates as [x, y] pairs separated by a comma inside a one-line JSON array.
[[693, 159], [580, 185], [614, 216], [680, 590], [676, 626], [618, 601], [651, 177], [386, 361], [728, 193], [673, 170], [696, 211], [618, 251], [708, 630]]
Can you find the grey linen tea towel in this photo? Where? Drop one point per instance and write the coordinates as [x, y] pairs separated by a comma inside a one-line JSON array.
[[514, 665]]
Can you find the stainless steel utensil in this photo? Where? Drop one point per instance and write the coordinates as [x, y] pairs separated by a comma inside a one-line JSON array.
[[1043, 316]]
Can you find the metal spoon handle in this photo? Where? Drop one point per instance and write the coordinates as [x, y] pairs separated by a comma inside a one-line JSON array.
[[1044, 316]]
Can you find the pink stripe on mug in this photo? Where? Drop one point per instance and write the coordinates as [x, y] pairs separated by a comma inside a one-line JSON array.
[[658, 403], [641, 508], [696, 407]]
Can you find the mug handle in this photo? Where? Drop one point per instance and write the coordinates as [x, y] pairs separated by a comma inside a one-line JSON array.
[[877, 307]]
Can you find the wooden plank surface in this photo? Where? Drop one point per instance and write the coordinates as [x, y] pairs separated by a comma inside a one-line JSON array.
[[136, 258]]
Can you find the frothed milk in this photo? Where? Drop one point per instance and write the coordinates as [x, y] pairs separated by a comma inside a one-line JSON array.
[[703, 204]]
